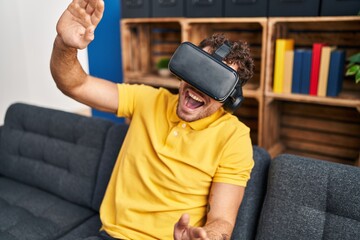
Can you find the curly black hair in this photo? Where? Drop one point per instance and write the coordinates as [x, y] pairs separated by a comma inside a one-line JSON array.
[[239, 54]]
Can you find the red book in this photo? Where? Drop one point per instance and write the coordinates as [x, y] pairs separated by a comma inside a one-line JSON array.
[[315, 67]]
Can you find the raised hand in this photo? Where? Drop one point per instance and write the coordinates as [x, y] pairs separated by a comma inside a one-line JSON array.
[[77, 24], [183, 231]]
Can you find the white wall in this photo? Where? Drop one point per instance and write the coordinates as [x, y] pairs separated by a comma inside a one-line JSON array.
[[27, 32]]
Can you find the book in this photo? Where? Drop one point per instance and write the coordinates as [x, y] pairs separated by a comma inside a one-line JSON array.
[[281, 45], [336, 72], [296, 75], [301, 71], [288, 70], [305, 77], [315, 67], [324, 70]]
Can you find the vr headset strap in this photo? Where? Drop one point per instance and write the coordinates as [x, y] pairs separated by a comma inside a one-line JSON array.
[[222, 51]]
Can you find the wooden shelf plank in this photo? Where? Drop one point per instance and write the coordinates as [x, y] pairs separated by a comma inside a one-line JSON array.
[[351, 101]]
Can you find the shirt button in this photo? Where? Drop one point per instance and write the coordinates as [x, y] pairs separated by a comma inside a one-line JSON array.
[[183, 125], [176, 133]]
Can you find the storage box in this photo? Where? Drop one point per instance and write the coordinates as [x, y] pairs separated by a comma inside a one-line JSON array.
[[294, 8], [168, 8], [204, 8], [135, 8], [245, 8], [339, 7]]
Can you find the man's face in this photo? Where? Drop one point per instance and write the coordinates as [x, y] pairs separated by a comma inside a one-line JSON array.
[[193, 104]]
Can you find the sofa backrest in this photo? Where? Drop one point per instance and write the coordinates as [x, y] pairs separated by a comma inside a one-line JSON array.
[[310, 199], [56, 151]]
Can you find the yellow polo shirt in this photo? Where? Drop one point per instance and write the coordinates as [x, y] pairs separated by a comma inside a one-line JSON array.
[[166, 166]]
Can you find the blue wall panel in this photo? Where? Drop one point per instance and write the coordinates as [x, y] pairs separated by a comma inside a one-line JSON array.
[[105, 51]]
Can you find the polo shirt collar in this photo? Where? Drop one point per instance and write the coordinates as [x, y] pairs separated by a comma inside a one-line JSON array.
[[198, 124]]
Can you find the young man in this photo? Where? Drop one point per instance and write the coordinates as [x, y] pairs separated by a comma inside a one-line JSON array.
[[185, 162]]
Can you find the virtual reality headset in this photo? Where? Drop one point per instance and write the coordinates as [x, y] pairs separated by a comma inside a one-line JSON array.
[[207, 72]]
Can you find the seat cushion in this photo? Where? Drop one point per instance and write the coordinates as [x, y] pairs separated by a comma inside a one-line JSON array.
[[30, 213], [310, 199]]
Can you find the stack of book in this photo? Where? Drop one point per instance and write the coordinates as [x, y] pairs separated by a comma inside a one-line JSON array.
[[317, 71]]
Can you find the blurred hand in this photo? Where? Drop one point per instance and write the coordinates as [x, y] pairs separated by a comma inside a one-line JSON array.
[[77, 24], [183, 231]]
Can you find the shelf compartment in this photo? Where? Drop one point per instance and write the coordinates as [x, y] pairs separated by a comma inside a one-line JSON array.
[[328, 133], [342, 32], [144, 43]]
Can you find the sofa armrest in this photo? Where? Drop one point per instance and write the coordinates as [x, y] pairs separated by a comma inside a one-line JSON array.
[[251, 205], [1, 127]]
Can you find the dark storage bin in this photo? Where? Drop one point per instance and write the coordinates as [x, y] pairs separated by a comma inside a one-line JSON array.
[[339, 7], [245, 8], [167, 8], [204, 8], [135, 8], [294, 8]]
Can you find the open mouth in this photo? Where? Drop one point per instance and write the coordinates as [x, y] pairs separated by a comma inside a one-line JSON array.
[[192, 100]]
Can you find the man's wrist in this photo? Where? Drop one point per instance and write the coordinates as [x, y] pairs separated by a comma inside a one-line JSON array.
[[60, 45], [213, 235]]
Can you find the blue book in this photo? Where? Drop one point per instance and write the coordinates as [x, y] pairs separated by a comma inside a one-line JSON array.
[[336, 73], [301, 71], [305, 71], [296, 76]]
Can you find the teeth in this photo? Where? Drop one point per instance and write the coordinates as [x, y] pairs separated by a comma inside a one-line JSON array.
[[195, 97]]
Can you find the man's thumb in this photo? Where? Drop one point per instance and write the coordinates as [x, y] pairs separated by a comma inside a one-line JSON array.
[[184, 220]]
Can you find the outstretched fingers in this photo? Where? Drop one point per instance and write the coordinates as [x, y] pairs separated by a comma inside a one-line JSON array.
[[82, 3], [88, 14], [95, 9], [79, 14], [98, 7]]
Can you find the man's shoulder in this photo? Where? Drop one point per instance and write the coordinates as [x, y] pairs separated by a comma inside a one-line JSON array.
[[232, 124]]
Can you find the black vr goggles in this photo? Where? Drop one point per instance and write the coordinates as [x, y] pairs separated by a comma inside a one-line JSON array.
[[208, 73]]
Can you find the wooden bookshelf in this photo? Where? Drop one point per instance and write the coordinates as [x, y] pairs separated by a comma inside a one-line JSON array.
[[327, 128]]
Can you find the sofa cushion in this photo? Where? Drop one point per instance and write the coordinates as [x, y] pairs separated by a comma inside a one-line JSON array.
[[89, 228], [310, 199], [30, 213], [55, 151]]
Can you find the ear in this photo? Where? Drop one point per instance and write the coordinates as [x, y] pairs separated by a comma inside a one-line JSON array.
[[234, 100]]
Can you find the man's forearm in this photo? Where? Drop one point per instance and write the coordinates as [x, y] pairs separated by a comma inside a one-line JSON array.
[[65, 67], [218, 230]]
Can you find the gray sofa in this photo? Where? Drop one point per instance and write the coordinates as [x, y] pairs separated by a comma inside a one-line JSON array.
[[54, 168]]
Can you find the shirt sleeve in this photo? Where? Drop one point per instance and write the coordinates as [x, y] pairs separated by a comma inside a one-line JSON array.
[[126, 100], [237, 161]]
